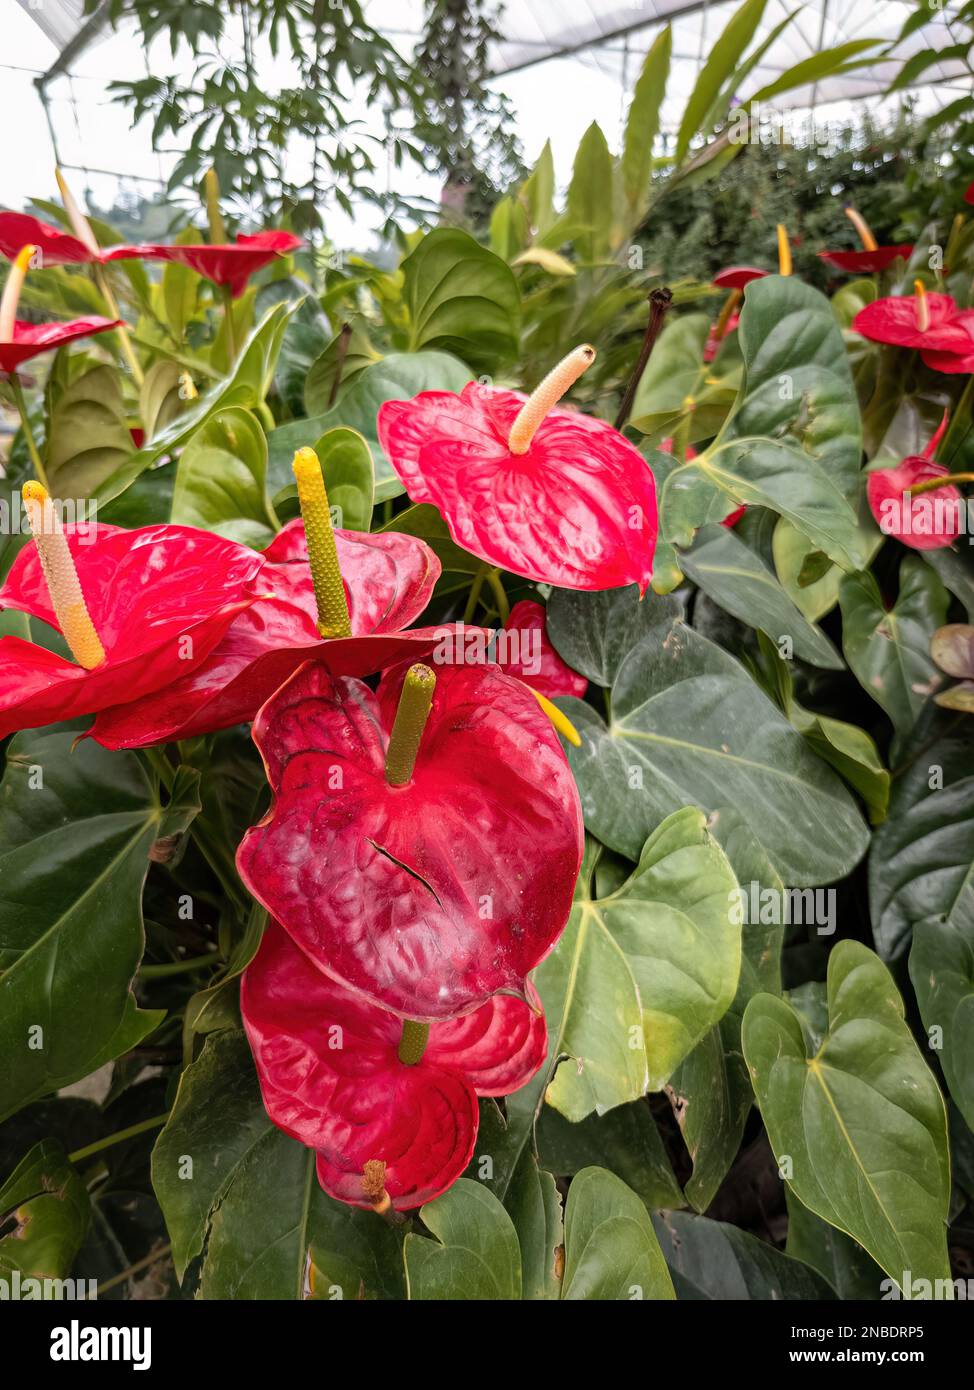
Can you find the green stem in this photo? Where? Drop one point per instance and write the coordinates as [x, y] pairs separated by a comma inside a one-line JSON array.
[[412, 1043], [207, 840], [493, 579], [932, 484], [179, 967], [957, 430], [474, 595], [156, 1122], [410, 721], [32, 449], [227, 295], [129, 351]]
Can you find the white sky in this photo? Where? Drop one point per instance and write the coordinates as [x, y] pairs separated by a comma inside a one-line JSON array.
[[556, 99]]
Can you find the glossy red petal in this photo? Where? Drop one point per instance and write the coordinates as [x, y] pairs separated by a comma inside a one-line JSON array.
[[930, 521], [331, 1078], [19, 229], [528, 654], [427, 898], [894, 320], [161, 598], [955, 363], [735, 277], [230, 265], [388, 580], [578, 509], [866, 262], [31, 339], [498, 1048], [969, 193]]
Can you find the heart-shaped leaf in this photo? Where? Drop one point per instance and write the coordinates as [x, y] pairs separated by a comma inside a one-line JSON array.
[[611, 1250], [89, 437], [690, 727], [220, 480], [461, 299], [50, 1208], [858, 1127], [888, 649], [942, 971], [474, 1256], [714, 1260]]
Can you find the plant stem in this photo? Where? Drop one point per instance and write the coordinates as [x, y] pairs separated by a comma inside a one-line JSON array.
[[178, 967], [659, 303], [493, 579], [150, 1259], [474, 595], [957, 432], [122, 331], [156, 1122], [407, 730], [32, 449], [227, 295]]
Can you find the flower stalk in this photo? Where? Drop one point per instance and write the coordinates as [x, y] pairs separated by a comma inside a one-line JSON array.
[[63, 584], [659, 302], [410, 721], [333, 615]]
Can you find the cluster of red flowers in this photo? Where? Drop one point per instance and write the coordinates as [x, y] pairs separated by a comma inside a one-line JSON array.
[[424, 838]]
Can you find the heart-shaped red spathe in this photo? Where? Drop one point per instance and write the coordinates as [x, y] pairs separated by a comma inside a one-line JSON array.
[[388, 582], [231, 265], [31, 339], [866, 262], [331, 1077], [428, 898], [928, 522], [55, 247], [578, 509], [531, 657], [955, 363], [894, 321], [160, 597]]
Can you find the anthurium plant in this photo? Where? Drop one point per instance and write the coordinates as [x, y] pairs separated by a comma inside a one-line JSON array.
[[496, 821]]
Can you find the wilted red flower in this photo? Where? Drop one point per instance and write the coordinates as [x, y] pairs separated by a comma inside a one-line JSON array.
[[925, 520], [136, 608], [552, 495], [230, 265], [919, 320], [388, 579], [426, 895], [332, 1076]]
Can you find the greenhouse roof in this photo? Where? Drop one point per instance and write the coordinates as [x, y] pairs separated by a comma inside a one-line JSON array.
[[562, 63]]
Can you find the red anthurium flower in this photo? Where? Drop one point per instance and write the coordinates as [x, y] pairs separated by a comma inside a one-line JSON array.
[[920, 320], [530, 656], [735, 277], [955, 362], [552, 495], [332, 1075], [866, 262], [53, 246], [969, 193], [388, 579], [31, 339], [872, 257], [136, 608], [907, 502], [230, 265], [427, 881]]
